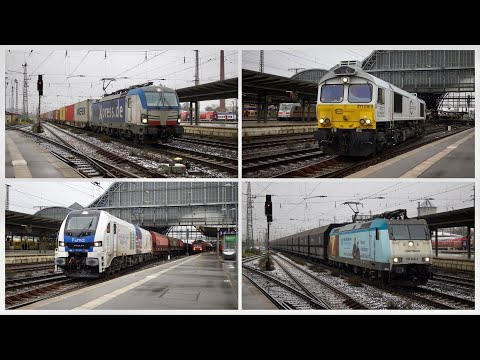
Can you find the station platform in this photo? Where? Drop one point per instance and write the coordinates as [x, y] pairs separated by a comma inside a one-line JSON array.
[[452, 157], [254, 299], [197, 282], [26, 159], [226, 130], [254, 128], [454, 263], [28, 256]]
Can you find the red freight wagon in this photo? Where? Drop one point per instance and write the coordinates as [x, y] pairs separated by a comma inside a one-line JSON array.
[[70, 113], [159, 244]]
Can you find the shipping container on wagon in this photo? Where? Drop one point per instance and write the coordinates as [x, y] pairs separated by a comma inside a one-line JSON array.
[[57, 115], [159, 243], [62, 114], [82, 112], [69, 113]]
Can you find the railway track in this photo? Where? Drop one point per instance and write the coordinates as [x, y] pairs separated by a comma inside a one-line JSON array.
[[222, 163], [343, 166], [281, 294], [420, 294], [37, 267], [454, 280], [262, 162], [433, 298], [128, 168], [278, 142], [335, 298], [208, 142], [252, 258], [83, 164], [34, 280], [199, 157], [42, 292]]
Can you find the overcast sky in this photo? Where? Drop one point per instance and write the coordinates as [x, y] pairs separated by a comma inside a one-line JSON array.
[[70, 76], [27, 196], [278, 62], [291, 213]]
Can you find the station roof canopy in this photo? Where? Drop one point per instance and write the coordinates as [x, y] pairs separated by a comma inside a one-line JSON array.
[[279, 88], [460, 217], [223, 89], [16, 221]]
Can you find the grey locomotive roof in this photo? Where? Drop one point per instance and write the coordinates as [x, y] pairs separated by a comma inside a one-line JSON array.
[[79, 212], [363, 74]]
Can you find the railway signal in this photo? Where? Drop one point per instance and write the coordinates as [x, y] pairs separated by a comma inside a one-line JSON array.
[[40, 85], [268, 208]]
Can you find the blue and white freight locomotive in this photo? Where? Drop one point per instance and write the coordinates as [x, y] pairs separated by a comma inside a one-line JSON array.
[[395, 251], [92, 243], [143, 114]]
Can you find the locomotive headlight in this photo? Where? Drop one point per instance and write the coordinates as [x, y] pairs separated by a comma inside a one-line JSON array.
[[321, 121], [61, 243], [426, 259], [97, 243], [327, 121], [179, 119], [368, 121], [397, 259], [410, 243], [144, 119], [345, 79], [362, 121]]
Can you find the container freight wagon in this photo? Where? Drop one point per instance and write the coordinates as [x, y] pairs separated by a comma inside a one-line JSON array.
[[83, 112]]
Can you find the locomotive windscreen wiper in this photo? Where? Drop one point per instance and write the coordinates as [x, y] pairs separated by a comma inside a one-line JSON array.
[[85, 227]]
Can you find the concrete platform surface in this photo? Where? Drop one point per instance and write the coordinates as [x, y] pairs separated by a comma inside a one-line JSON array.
[[452, 157], [229, 131], [26, 159], [197, 282], [254, 299], [277, 128]]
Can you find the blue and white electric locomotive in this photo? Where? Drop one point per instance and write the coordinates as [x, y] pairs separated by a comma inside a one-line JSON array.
[[398, 251], [143, 113], [92, 243]]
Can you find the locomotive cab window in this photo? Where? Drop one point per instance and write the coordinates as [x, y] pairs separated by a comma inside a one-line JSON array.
[[129, 102], [399, 232], [114, 228], [170, 99], [397, 103], [381, 96], [422, 109], [108, 228], [155, 99], [331, 93], [82, 223], [360, 93], [419, 232]]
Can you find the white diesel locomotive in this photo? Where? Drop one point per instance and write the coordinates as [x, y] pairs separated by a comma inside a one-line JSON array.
[[359, 114]]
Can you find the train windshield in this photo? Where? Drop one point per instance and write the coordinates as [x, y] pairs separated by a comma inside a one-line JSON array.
[[331, 93], [419, 232], [409, 232], [170, 99], [82, 223], [360, 93], [156, 99], [285, 107]]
